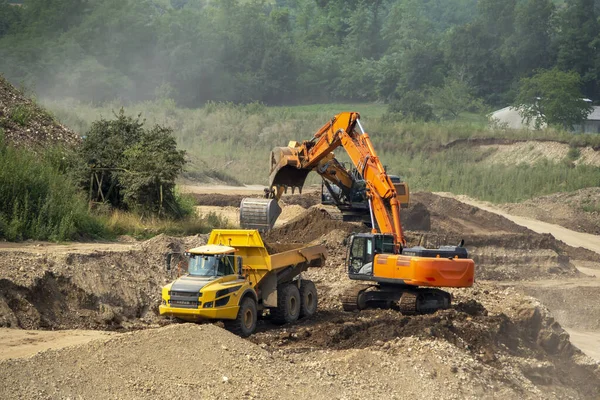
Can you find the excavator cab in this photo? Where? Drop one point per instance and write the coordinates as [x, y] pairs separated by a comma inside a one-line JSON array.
[[362, 251]]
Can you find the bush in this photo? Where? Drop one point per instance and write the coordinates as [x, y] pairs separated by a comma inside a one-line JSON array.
[[138, 167], [412, 106], [38, 202]]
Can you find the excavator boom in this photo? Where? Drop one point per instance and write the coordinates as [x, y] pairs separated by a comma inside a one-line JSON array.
[[381, 256], [291, 165]]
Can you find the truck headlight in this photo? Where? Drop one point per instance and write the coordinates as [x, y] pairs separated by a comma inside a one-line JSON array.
[[208, 304]]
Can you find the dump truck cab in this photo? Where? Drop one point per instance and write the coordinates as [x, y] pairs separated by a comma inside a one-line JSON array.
[[211, 288], [233, 278]]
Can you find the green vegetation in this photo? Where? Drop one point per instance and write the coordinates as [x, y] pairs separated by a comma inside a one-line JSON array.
[[288, 52], [224, 80], [137, 166], [127, 223], [237, 139], [591, 206], [37, 202], [21, 115], [41, 199], [552, 97]]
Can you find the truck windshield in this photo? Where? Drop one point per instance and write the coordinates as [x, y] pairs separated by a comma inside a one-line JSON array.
[[209, 265]]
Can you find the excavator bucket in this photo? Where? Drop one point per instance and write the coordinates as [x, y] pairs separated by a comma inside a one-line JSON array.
[[259, 214], [284, 169]]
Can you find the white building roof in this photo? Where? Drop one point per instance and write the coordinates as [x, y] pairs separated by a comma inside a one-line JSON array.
[[595, 115]]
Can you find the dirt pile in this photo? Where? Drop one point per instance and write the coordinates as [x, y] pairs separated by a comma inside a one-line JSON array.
[[310, 226], [502, 250], [90, 289], [26, 124], [492, 338], [342, 355], [578, 211]]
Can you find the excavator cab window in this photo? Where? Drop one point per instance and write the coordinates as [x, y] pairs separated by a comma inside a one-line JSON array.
[[361, 256], [384, 244]]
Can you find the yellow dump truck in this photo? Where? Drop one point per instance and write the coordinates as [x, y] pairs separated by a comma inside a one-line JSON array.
[[233, 278]]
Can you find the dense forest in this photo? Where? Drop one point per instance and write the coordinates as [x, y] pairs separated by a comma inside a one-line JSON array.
[[295, 51]]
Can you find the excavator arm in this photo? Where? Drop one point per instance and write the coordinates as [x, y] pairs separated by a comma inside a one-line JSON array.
[[404, 278], [291, 165]]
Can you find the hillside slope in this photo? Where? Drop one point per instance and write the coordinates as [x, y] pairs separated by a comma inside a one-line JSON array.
[[24, 123]]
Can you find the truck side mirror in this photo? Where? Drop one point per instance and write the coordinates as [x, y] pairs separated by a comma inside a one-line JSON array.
[[168, 258], [239, 265]]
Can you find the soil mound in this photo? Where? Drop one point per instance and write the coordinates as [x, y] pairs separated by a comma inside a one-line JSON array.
[[416, 217], [310, 226], [452, 217], [578, 211], [306, 200], [26, 124], [501, 249], [217, 199], [94, 289], [500, 334], [436, 360]]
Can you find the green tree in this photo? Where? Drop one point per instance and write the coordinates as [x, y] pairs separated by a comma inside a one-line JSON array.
[[137, 167], [453, 98], [412, 106], [413, 59], [531, 43], [578, 42], [152, 164], [10, 17], [553, 97]]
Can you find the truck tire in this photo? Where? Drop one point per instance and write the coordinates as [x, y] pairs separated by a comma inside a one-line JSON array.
[[288, 304], [308, 299], [244, 324]]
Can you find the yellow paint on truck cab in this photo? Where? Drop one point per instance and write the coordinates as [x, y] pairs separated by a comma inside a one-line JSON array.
[[208, 296], [219, 297]]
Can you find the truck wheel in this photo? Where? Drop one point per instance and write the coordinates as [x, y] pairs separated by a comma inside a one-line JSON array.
[[288, 304], [308, 299], [244, 324]]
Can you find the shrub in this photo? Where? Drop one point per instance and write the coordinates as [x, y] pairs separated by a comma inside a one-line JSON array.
[[138, 167], [38, 202]]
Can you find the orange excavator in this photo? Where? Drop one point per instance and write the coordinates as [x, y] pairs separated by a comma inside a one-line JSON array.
[[405, 278]]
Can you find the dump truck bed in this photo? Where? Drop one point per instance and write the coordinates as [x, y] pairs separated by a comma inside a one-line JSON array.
[[250, 246]]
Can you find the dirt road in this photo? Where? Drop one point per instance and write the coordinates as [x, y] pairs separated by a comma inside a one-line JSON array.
[[70, 248], [18, 343], [570, 237]]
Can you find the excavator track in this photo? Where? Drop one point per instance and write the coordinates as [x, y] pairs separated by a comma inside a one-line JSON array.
[[407, 300], [408, 303], [350, 298], [423, 301]]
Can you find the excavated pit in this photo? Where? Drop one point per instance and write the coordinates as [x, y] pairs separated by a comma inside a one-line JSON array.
[[492, 335], [121, 289]]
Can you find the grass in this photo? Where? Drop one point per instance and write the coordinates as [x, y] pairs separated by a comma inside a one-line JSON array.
[[126, 223], [21, 115], [232, 143], [591, 206], [38, 202]]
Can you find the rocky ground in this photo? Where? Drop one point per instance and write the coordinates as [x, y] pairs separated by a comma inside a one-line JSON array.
[[495, 341], [26, 124]]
